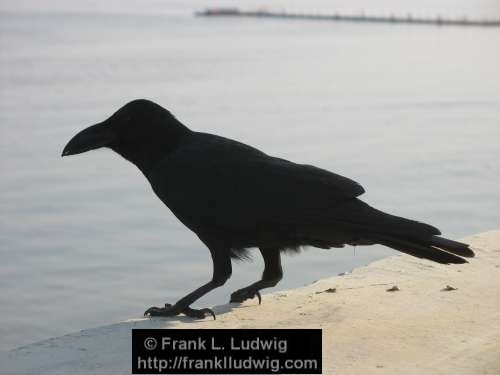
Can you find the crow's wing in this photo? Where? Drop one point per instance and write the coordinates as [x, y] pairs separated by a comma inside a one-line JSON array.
[[219, 182]]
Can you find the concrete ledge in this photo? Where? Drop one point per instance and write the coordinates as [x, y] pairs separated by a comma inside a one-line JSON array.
[[423, 328]]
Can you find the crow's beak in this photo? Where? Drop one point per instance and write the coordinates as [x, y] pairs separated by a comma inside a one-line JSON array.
[[93, 137]]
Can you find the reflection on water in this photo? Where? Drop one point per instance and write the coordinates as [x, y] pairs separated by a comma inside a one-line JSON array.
[[411, 113]]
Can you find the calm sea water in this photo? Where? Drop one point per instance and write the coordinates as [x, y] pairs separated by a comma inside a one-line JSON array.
[[411, 112]]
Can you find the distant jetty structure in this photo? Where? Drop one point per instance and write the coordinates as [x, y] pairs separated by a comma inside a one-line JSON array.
[[409, 19]]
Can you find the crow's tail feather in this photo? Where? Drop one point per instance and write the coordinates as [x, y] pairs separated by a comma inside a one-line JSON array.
[[436, 248], [408, 236], [451, 246]]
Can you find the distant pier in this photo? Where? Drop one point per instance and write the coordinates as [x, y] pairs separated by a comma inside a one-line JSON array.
[[409, 19]]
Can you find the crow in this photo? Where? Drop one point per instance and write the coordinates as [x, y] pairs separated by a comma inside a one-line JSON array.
[[235, 197]]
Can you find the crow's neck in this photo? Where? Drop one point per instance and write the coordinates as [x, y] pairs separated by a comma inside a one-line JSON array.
[[152, 148]]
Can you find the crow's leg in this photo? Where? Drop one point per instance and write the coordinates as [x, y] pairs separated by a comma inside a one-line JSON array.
[[222, 272], [271, 276]]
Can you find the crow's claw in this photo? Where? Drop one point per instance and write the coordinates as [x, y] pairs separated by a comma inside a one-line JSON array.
[[198, 314], [244, 294], [168, 310], [172, 310]]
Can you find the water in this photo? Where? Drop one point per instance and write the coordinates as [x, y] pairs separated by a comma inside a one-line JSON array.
[[411, 112]]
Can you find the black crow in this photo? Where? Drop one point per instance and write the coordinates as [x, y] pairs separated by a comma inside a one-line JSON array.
[[235, 197]]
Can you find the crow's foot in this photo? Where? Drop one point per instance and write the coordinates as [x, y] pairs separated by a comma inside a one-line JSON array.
[[172, 310], [246, 293]]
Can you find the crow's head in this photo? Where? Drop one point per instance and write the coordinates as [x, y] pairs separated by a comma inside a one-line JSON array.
[[140, 131]]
